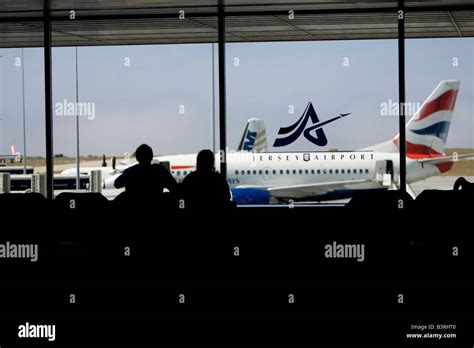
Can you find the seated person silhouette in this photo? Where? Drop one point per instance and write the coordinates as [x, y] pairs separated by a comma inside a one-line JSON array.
[[146, 180], [206, 189], [464, 185]]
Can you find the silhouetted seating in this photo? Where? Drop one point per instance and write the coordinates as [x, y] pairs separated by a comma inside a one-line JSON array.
[[22, 203], [166, 204], [80, 202], [390, 201], [440, 201], [464, 185]]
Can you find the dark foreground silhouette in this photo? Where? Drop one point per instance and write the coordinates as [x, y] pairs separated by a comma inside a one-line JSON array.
[[205, 189]]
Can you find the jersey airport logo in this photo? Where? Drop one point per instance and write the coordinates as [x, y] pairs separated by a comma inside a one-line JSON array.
[[294, 131]]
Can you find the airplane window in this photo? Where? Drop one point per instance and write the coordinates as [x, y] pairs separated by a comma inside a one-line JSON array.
[[287, 171], [325, 171], [254, 172], [185, 172], [178, 173], [348, 171], [172, 172], [300, 171], [366, 171], [274, 172], [361, 171], [248, 172], [330, 171], [342, 171], [312, 171], [260, 172], [336, 171], [236, 172], [281, 171], [266, 172], [306, 171], [319, 171], [294, 171]]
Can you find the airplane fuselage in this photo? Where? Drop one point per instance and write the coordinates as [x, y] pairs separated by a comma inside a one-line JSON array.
[[297, 168]]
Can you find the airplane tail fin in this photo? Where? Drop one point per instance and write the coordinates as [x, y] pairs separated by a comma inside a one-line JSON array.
[[254, 138], [427, 130]]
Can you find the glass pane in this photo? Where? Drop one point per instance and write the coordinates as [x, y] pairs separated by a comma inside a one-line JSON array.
[[440, 86], [132, 94], [22, 131], [319, 110]]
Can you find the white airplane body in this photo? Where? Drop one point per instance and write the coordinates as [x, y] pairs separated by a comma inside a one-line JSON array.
[[107, 171]]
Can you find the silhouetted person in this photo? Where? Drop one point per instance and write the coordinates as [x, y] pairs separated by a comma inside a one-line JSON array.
[[464, 185], [205, 188], [145, 178]]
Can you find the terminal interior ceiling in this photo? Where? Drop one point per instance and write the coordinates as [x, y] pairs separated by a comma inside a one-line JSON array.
[[120, 22]]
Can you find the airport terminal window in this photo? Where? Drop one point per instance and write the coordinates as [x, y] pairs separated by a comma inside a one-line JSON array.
[[348, 83], [22, 127], [108, 101], [439, 110], [129, 95]]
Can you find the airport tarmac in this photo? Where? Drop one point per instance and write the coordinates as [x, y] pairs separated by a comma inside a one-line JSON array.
[[437, 183]]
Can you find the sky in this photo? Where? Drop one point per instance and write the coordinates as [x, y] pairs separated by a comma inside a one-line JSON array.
[[162, 94]]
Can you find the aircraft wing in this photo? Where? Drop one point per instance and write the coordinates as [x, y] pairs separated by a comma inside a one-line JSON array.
[[307, 190], [444, 159]]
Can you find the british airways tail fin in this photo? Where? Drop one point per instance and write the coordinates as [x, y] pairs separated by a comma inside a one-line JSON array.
[[427, 130]]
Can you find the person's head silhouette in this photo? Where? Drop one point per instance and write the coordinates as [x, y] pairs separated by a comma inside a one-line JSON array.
[[205, 161], [144, 154]]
